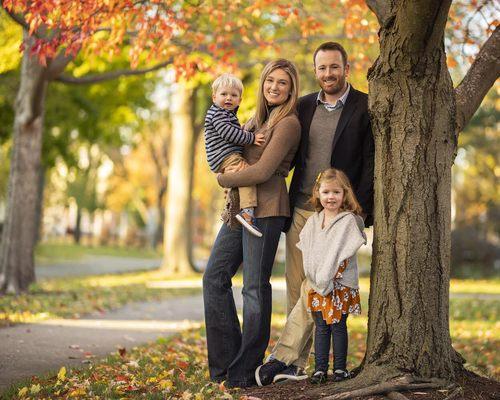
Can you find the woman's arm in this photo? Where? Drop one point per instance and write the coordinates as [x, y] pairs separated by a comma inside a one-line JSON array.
[[286, 136]]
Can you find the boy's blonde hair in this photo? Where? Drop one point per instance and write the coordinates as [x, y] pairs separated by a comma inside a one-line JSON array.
[[350, 203], [227, 80]]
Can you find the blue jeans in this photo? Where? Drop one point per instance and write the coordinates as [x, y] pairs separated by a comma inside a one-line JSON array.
[[322, 338], [235, 353]]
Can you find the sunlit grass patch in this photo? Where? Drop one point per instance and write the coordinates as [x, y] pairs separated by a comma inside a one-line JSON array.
[[73, 297], [478, 342], [483, 286], [468, 286], [50, 252]]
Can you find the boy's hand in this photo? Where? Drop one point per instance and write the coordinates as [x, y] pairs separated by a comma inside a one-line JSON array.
[[259, 139], [235, 168]]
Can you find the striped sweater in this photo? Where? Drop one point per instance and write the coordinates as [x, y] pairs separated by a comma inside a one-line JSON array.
[[223, 135]]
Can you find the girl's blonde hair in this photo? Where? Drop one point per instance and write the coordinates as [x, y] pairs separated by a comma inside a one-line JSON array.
[[282, 110], [350, 203]]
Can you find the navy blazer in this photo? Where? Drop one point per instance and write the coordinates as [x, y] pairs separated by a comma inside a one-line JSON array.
[[353, 149]]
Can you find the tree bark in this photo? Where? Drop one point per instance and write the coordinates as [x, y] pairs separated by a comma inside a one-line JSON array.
[[413, 111], [77, 232], [17, 270], [39, 205], [177, 238]]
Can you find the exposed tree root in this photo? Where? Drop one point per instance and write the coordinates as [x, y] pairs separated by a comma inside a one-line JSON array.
[[403, 383], [456, 394], [396, 396]]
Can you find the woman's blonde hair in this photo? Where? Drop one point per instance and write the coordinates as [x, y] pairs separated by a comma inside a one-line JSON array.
[[279, 112], [350, 203]]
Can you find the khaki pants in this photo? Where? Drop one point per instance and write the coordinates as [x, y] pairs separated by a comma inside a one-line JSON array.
[[294, 270], [248, 195], [295, 342]]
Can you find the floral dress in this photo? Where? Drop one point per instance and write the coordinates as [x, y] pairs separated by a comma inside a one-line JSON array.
[[342, 300]]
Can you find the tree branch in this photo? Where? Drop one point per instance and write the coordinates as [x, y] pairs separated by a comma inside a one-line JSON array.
[[16, 18], [481, 76], [57, 65], [396, 396], [386, 387], [89, 79], [382, 10], [458, 392]]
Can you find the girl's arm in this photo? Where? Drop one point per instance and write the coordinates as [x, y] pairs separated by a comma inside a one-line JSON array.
[[286, 136]]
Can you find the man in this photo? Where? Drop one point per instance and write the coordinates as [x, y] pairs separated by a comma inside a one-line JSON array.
[[336, 132]]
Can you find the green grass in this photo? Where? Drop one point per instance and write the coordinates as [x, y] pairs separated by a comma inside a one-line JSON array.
[[176, 368], [72, 297], [52, 252]]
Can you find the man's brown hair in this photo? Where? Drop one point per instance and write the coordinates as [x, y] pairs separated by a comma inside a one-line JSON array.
[[328, 46]]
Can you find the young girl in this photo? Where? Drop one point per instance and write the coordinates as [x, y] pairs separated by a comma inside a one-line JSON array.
[[329, 242]]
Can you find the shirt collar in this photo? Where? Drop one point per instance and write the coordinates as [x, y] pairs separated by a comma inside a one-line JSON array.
[[235, 111], [340, 102]]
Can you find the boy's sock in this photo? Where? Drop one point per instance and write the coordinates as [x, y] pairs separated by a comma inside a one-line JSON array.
[[248, 210]]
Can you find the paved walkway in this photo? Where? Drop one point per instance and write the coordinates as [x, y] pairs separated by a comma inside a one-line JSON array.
[[33, 349]]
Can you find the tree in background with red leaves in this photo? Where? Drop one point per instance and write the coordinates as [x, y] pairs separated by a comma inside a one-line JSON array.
[[183, 35]]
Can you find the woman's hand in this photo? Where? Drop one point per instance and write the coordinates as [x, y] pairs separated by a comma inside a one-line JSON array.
[[238, 167]]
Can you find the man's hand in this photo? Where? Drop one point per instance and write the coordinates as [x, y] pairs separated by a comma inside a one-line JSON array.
[[259, 139], [235, 168]]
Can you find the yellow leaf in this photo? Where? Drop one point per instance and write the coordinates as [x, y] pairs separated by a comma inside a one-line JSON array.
[[62, 374], [166, 384], [22, 392], [35, 388], [77, 392]]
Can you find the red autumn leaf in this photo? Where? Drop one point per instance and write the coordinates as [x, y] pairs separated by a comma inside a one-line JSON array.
[[122, 351], [121, 378]]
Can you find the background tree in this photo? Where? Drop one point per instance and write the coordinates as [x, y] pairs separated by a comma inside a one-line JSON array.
[[56, 32]]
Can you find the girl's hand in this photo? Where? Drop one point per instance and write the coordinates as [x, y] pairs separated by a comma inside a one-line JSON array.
[[235, 168]]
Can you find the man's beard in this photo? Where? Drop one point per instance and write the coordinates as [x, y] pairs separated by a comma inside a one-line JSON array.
[[336, 88]]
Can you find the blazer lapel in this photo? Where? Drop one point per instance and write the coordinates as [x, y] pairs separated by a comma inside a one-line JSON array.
[[345, 116], [308, 113]]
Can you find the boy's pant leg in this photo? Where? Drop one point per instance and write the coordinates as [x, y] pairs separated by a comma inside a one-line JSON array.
[[294, 270], [295, 342], [248, 194]]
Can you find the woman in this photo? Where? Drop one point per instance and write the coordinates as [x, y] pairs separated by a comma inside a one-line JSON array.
[[235, 353]]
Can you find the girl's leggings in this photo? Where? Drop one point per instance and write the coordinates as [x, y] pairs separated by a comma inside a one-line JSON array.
[[322, 338]]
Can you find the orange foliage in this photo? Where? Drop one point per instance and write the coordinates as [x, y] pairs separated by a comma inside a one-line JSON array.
[[164, 30]]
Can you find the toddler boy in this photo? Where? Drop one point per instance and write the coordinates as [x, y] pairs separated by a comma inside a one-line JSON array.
[[224, 140]]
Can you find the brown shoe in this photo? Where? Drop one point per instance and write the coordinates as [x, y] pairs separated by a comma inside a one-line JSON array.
[[248, 223]]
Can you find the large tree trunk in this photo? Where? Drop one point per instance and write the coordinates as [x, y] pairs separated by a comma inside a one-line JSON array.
[[18, 239], [413, 114], [158, 236], [77, 232], [39, 206], [177, 238]]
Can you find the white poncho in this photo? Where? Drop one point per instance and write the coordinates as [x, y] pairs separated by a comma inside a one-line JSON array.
[[324, 249]]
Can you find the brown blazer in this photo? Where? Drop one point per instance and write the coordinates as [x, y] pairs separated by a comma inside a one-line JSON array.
[[269, 165]]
